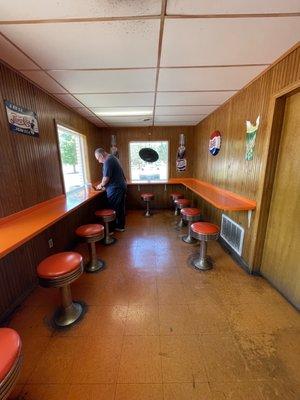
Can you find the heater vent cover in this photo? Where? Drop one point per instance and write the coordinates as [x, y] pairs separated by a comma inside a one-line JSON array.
[[232, 233]]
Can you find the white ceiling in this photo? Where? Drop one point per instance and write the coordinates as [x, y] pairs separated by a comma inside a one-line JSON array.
[[178, 60]]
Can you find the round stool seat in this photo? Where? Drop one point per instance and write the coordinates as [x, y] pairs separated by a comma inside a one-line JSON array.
[[205, 231], [176, 195], [190, 212], [105, 213], [147, 196], [59, 264], [182, 203], [90, 230], [10, 349]]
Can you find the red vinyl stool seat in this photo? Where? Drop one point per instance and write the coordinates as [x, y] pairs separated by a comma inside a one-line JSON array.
[[190, 215], [175, 196], [147, 197], [204, 231], [180, 204], [10, 360], [91, 234], [107, 215], [60, 270]]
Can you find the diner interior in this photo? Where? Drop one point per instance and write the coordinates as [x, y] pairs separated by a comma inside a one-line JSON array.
[[197, 296]]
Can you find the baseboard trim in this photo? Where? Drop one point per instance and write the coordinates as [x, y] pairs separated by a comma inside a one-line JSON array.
[[238, 259]]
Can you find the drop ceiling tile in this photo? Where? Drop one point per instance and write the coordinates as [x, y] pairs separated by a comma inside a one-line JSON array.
[[69, 100], [244, 40], [130, 124], [192, 98], [178, 118], [175, 123], [45, 81], [36, 9], [12, 56], [131, 119], [82, 45], [106, 81], [117, 100], [218, 78], [184, 110], [197, 7]]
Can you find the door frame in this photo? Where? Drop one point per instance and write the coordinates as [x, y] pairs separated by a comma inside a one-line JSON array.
[[275, 124]]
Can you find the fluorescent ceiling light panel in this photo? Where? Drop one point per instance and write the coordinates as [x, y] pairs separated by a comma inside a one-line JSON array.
[[123, 113]]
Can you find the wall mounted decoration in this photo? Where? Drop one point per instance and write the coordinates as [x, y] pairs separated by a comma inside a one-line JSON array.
[[250, 138], [215, 143], [181, 161], [113, 146], [21, 120]]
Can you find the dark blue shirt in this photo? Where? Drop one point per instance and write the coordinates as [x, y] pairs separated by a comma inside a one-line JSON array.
[[113, 170]]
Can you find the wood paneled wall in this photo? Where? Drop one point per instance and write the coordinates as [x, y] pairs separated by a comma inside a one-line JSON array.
[[229, 169], [18, 269], [29, 167], [170, 133]]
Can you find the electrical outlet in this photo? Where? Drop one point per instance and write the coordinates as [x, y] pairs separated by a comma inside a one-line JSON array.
[[50, 243]]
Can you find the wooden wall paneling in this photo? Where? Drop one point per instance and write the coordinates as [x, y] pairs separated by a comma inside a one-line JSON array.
[[30, 170], [18, 269], [229, 169], [171, 134]]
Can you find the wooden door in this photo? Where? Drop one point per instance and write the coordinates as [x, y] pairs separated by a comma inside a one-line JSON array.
[[281, 255]]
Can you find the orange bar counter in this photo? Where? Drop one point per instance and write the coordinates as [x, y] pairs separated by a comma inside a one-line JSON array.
[[219, 198], [20, 227]]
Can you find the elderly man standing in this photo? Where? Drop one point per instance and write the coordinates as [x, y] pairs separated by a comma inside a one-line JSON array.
[[114, 182]]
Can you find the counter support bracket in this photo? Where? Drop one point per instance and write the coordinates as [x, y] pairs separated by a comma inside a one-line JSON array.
[[249, 218]]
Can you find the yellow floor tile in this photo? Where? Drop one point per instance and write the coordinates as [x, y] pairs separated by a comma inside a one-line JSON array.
[[140, 360]]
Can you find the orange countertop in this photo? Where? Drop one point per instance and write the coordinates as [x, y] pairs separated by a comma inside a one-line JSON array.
[[20, 227], [219, 198]]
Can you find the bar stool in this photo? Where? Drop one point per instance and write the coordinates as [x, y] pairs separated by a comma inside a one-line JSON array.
[[190, 215], [204, 231], [147, 197], [175, 196], [10, 360], [91, 234], [60, 270], [107, 216], [180, 204]]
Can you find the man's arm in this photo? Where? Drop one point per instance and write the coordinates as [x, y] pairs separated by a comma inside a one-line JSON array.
[[104, 182]]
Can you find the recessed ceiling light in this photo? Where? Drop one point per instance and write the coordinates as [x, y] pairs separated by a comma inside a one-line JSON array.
[[124, 113]]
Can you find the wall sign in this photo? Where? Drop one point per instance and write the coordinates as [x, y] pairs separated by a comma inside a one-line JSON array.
[[113, 146], [181, 162], [250, 138], [214, 143], [21, 120]]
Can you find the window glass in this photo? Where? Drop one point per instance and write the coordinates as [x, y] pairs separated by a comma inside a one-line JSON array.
[[144, 171], [71, 145]]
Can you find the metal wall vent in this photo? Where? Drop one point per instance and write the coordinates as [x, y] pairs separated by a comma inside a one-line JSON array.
[[232, 233]]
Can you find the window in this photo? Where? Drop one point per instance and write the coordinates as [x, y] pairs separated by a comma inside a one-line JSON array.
[[72, 151], [144, 171]]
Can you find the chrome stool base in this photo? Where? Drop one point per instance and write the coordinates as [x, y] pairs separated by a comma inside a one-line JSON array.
[[108, 240], [203, 264], [189, 239], [147, 214], [68, 316], [95, 266]]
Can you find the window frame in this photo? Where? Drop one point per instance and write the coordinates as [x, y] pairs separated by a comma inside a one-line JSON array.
[[83, 155], [149, 142]]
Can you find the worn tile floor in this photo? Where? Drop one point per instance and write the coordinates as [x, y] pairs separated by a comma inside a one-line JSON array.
[[156, 329]]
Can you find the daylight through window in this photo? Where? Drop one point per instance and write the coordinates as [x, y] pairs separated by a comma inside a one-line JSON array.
[[144, 171], [71, 145]]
